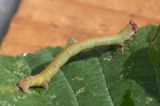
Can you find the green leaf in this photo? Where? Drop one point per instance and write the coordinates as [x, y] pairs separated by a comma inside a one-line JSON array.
[[9, 96], [133, 71], [154, 47], [99, 77]]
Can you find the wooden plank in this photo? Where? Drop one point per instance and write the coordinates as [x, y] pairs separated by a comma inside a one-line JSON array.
[[42, 23]]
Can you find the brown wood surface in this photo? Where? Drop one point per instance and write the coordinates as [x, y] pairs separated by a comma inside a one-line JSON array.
[[42, 23]]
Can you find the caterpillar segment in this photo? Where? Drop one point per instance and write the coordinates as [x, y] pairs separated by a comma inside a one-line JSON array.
[[42, 79]]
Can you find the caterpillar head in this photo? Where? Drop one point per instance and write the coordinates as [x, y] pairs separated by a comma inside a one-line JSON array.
[[134, 26], [129, 31]]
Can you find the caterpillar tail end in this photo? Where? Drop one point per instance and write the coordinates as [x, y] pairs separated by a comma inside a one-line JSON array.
[[28, 82], [23, 85], [134, 26]]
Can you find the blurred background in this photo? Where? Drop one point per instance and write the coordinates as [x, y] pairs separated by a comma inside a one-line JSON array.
[[28, 25], [7, 9]]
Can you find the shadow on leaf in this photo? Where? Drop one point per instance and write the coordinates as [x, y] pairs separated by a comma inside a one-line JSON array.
[[139, 67], [127, 99]]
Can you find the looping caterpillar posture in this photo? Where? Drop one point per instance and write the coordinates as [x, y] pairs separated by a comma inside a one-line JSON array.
[[46, 75]]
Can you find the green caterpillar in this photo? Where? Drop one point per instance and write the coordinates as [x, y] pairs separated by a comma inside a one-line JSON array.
[[46, 75]]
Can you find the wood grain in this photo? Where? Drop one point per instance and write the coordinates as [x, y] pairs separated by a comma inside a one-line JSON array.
[[42, 23]]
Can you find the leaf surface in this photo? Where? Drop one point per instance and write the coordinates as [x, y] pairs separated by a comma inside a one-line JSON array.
[[99, 77]]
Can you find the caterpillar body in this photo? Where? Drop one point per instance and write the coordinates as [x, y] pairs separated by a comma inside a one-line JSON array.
[[69, 51]]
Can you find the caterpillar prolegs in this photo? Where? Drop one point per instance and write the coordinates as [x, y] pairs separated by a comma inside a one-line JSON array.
[[42, 79]]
